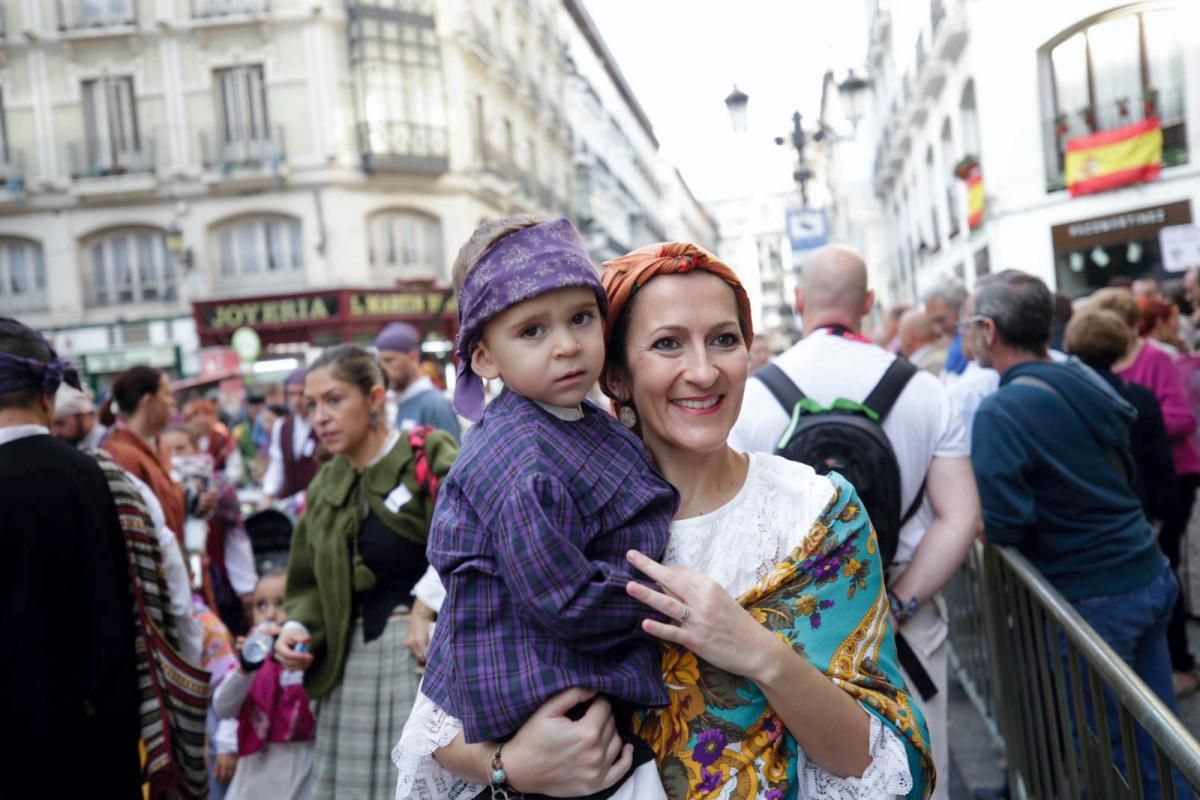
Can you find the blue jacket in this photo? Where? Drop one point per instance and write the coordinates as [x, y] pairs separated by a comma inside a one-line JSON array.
[[1044, 461]]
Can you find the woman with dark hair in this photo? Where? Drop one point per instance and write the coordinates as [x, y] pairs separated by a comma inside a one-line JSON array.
[[143, 406], [356, 555], [67, 675], [1099, 338]]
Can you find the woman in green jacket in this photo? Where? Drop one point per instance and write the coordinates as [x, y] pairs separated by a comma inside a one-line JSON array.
[[356, 554]]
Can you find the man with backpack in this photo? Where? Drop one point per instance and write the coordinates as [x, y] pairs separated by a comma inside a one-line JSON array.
[[839, 402], [1051, 450]]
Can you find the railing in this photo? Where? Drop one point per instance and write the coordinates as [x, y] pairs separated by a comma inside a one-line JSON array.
[[225, 151], [403, 147], [12, 167], [1041, 674], [97, 157], [219, 8], [77, 14], [1168, 106], [496, 163]]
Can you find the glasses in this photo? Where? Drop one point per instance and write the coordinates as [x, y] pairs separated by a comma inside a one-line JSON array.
[[965, 323]]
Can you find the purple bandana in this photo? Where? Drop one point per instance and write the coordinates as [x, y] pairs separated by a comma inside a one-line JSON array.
[[519, 267], [19, 374]]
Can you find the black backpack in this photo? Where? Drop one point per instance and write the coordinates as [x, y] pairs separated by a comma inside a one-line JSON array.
[[847, 440]]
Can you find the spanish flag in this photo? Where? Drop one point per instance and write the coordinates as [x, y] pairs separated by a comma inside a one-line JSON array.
[[1109, 159], [975, 199]]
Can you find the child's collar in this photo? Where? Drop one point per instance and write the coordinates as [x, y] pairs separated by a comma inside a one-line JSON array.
[[565, 413]]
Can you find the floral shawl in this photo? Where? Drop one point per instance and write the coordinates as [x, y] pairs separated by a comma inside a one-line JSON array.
[[718, 736]]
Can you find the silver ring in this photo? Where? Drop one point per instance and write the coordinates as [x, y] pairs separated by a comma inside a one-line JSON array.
[[687, 612]]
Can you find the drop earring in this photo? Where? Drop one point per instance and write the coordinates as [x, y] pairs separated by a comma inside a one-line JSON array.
[[627, 416]]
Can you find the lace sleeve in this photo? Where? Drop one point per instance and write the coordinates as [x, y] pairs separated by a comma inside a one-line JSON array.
[[428, 729], [886, 776]]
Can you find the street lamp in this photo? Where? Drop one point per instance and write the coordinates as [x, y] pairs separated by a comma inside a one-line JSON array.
[[736, 102], [177, 248], [802, 174], [852, 91]]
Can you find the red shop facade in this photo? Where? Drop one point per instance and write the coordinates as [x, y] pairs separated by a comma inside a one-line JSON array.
[[322, 318]]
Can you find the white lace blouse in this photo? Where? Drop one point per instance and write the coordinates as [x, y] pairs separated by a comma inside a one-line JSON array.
[[736, 545]]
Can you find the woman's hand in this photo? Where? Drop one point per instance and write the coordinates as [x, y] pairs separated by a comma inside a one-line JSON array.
[[285, 650], [706, 619], [556, 756], [417, 638]]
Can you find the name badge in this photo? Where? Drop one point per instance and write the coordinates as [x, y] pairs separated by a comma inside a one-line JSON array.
[[310, 447], [399, 496]]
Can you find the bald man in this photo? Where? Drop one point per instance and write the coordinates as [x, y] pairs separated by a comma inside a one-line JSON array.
[[920, 341], [834, 361]]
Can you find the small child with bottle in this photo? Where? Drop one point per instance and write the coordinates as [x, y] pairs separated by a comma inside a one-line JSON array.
[[275, 725]]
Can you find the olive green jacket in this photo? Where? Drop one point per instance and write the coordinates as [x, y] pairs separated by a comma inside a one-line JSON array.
[[324, 568]]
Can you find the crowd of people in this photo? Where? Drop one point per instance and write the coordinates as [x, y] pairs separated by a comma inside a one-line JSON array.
[[674, 592]]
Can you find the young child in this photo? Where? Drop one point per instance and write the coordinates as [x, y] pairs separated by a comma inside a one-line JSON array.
[[275, 725], [547, 496]]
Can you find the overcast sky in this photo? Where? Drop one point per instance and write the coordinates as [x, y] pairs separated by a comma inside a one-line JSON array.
[[682, 57]]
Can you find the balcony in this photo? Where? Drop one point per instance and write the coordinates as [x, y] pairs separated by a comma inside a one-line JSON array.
[[208, 9], [12, 168], [103, 158], [937, 13], [403, 147], [950, 37], [234, 154], [496, 164], [1169, 107], [82, 15], [480, 39]]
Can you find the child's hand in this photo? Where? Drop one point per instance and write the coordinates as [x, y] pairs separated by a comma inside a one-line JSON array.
[[226, 764], [285, 650]]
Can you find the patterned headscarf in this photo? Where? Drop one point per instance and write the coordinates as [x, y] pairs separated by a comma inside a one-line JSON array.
[[521, 266], [624, 276]]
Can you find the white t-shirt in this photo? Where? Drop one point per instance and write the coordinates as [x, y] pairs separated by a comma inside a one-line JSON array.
[[923, 424]]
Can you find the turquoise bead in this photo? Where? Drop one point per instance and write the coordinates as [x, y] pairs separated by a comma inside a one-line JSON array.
[[499, 776]]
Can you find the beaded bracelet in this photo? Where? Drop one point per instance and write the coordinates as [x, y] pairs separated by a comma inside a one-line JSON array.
[[498, 778]]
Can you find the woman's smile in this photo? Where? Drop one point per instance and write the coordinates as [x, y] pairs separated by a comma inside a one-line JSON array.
[[699, 406]]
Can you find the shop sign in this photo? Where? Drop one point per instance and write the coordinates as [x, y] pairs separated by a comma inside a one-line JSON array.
[[1136, 224], [393, 304], [1180, 245], [281, 311], [106, 362]]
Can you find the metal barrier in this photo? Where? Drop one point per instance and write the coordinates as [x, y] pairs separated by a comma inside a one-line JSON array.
[[1046, 672]]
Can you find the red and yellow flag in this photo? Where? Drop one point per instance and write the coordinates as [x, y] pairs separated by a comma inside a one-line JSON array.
[[975, 199], [1119, 157]]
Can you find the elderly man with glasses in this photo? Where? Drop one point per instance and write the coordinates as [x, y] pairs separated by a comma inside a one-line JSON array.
[[1051, 455]]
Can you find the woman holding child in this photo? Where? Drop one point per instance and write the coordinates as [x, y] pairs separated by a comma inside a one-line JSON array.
[[777, 653]]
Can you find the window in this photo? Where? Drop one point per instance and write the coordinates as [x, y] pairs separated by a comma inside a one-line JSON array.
[[397, 65], [1112, 73], [262, 247], [953, 208], [113, 143], [245, 133], [22, 276], [405, 239], [129, 265]]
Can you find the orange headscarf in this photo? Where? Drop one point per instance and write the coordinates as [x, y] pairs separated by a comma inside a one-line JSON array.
[[623, 277]]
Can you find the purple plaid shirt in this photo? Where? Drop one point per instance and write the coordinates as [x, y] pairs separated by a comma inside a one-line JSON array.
[[529, 536]]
